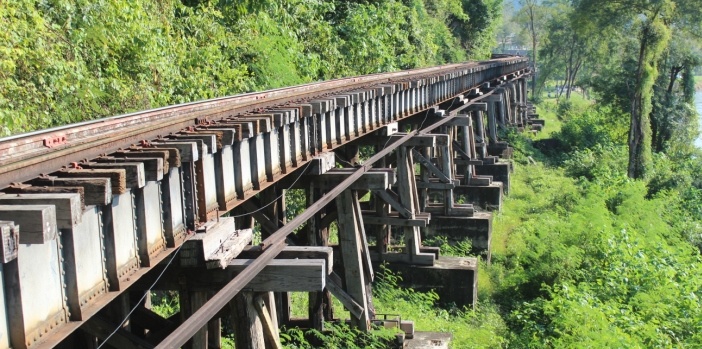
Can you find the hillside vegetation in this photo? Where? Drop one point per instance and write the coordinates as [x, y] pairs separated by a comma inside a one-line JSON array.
[[64, 61], [582, 256]]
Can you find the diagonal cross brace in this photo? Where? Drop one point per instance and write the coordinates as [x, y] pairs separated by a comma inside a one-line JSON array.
[[433, 169], [387, 197], [461, 153]]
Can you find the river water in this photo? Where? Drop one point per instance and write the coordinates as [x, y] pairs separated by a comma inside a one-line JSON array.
[[698, 106]]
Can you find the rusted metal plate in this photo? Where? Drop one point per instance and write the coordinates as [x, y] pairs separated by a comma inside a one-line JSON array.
[[173, 208], [121, 250], [149, 212], [35, 293]]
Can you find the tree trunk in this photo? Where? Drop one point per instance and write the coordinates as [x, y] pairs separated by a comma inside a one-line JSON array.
[[636, 167], [533, 63]]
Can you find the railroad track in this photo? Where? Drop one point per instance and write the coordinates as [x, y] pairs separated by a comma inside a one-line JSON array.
[[91, 211]]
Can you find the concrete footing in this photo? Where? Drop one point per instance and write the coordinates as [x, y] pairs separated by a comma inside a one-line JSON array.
[[487, 197], [454, 279], [429, 340], [501, 149], [477, 228], [499, 171]]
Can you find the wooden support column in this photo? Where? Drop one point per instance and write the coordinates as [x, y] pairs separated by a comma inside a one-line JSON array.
[[190, 301], [214, 333], [197, 299], [382, 209], [276, 213], [248, 328], [447, 167], [357, 272], [407, 191], [320, 306], [492, 119], [480, 134]]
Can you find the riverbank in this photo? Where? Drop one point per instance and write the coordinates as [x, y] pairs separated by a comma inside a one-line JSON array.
[[698, 83]]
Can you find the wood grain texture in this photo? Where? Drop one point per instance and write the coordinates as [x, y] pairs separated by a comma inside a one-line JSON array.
[[38, 222]]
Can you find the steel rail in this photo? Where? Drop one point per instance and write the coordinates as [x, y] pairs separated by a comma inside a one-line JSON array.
[[25, 156]]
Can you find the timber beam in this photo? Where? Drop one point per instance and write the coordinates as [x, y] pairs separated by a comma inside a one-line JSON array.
[[296, 269], [374, 179]]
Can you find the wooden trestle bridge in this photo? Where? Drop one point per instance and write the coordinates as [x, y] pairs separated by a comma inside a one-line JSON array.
[[96, 214]]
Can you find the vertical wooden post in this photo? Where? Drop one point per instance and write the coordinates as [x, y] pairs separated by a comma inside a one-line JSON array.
[[214, 333], [446, 159], [407, 191], [479, 129], [315, 300], [197, 300], [248, 329], [382, 232], [405, 179], [320, 306], [492, 120], [352, 254]]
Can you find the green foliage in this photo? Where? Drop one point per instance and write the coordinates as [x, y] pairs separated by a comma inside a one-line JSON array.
[[585, 257], [65, 61], [602, 127], [481, 327], [165, 304], [460, 248], [337, 335]]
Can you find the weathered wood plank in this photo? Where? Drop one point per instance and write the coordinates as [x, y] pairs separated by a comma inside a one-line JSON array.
[[295, 252], [96, 191], [270, 329], [285, 275], [206, 142], [9, 241], [38, 222], [153, 167], [140, 153], [118, 177], [400, 222], [334, 286], [188, 151], [217, 242], [29, 189], [135, 175], [372, 180], [68, 206]]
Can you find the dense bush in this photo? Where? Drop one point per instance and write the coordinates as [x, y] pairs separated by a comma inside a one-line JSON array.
[[64, 61], [595, 127], [586, 257]]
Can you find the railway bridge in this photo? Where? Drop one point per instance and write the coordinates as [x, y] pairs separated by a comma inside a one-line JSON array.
[[96, 215]]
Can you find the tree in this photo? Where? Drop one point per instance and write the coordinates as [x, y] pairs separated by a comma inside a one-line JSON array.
[[532, 17], [653, 21], [566, 48], [673, 120]]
